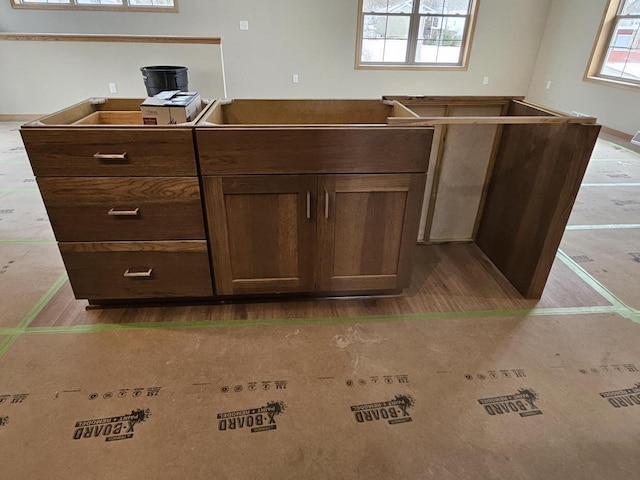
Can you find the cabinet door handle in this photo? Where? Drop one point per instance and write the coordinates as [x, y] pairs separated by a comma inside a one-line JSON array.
[[326, 204], [129, 274], [111, 156], [308, 204], [123, 213]]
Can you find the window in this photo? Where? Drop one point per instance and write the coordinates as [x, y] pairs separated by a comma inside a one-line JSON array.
[[131, 5], [414, 33], [616, 56]]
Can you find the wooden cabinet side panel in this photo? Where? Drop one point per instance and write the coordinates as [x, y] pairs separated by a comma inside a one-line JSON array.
[[536, 178]]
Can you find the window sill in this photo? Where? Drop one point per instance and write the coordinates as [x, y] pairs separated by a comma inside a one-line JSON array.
[[103, 8], [412, 67], [613, 83]]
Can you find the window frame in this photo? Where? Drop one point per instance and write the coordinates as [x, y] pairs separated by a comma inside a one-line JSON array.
[[414, 16], [601, 46], [109, 8]]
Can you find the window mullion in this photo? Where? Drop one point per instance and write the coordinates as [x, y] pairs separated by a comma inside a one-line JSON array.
[[414, 27]]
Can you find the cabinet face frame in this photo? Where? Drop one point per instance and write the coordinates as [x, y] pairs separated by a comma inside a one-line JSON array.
[[216, 195]]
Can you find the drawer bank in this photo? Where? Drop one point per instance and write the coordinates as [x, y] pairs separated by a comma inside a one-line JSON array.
[[315, 197]]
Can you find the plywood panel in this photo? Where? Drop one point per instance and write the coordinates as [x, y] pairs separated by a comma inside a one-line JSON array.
[[462, 173]]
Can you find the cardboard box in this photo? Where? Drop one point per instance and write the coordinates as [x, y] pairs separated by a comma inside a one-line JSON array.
[[170, 108]]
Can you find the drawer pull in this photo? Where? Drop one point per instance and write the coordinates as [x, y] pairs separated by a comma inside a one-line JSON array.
[[123, 213], [111, 156], [308, 204], [129, 274]]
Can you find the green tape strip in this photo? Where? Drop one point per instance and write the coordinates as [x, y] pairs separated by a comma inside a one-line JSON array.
[[624, 310], [176, 325], [603, 227], [26, 241], [37, 308], [6, 344], [19, 330], [617, 306]]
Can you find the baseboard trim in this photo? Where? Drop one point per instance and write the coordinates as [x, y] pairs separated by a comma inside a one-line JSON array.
[[20, 117], [619, 138], [617, 133]]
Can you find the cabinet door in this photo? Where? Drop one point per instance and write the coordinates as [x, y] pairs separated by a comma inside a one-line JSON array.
[[367, 227], [262, 231]]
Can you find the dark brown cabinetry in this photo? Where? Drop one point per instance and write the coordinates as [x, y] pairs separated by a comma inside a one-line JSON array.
[[308, 233]]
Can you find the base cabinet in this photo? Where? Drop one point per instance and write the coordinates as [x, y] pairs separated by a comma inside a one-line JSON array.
[[312, 233]]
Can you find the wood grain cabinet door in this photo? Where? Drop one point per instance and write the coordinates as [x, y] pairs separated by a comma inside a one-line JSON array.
[[367, 229], [262, 231]]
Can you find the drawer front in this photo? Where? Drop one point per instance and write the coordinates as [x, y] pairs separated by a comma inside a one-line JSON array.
[[96, 209], [110, 151], [131, 270]]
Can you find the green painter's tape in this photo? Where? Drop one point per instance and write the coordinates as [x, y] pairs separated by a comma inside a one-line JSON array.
[[603, 227], [7, 343], [37, 308], [322, 321], [15, 332], [26, 241], [625, 310], [617, 307]]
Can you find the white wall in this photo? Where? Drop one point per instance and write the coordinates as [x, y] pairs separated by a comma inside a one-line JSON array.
[[315, 39], [566, 47]]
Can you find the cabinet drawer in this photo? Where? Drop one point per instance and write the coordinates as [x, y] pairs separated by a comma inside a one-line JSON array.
[[99, 209], [110, 151], [130, 270]]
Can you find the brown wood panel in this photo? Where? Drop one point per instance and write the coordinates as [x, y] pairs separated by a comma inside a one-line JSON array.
[[313, 150], [175, 269], [367, 228], [262, 231], [536, 178], [95, 209], [70, 151]]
